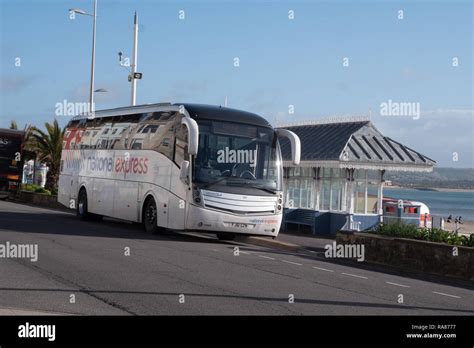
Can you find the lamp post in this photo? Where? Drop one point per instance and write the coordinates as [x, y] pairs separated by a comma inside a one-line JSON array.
[[94, 16], [134, 60], [133, 75]]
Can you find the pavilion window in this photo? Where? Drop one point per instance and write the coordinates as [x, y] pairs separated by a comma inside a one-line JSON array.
[[336, 195], [300, 188], [360, 203], [361, 191], [365, 194], [372, 188], [332, 189], [325, 194]]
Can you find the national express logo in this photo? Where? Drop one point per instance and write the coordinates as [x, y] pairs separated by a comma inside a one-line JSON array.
[[135, 165], [126, 165], [99, 164], [78, 161]]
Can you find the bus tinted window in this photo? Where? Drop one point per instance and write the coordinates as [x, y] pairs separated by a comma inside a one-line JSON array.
[[150, 131]]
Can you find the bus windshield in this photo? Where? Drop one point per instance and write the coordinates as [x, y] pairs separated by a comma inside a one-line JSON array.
[[233, 154]]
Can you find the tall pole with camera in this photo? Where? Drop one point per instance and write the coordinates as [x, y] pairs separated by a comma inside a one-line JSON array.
[[134, 60], [133, 75]]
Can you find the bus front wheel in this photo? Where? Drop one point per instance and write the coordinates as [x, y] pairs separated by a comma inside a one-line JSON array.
[[150, 216]]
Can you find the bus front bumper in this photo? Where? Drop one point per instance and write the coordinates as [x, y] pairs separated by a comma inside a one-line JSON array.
[[203, 219]]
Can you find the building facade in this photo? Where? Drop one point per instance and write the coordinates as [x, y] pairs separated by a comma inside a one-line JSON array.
[[340, 179]]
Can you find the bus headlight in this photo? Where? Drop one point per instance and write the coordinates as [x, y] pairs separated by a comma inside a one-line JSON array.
[[196, 195]]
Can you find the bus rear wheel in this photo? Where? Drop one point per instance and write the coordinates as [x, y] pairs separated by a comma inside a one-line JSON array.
[[82, 209], [225, 236], [150, 216]]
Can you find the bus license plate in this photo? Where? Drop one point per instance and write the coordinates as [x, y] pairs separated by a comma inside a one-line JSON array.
[[239, 225]]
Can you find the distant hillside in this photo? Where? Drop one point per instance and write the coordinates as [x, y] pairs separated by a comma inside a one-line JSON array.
[[459, 178]]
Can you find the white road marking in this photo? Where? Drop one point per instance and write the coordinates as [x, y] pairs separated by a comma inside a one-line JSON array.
[[293, 263], [266, 257], [355, 275], [323, 269], [396, 284], [442, 293]]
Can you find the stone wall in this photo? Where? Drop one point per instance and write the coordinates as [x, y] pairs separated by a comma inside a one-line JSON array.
[[39, 199], [413, 255]]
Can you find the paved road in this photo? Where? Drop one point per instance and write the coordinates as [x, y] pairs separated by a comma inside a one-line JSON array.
[[88, 260]]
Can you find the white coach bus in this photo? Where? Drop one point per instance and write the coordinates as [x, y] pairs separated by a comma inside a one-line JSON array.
[[176, 166]]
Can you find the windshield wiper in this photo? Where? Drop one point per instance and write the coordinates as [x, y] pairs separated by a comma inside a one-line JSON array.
[[263, 189], [217, 181]]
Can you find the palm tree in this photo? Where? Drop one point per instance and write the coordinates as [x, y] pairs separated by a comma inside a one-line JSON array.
[[47, 146], [13, 125]]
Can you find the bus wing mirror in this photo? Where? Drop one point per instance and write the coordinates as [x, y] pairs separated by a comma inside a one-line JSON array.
[[184, 171], [193, 135], [295, 144]]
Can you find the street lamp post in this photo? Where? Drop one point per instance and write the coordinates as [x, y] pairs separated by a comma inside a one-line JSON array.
[[91, 92], [133, 75], [135, 60], [94, 16]]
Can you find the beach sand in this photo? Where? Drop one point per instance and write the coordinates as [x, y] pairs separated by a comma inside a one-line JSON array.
[[467, 227]]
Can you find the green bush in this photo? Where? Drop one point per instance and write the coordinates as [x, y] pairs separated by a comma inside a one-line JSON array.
[[400, 230], [469, 241], [34, 188], [30, 187], [430, 234], [43, 190]]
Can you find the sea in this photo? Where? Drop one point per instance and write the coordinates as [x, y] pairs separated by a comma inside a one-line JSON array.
[[442, 203]]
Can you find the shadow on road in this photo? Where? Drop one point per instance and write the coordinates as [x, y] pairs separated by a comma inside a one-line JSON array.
[[249, 298], [66, 223], [62, 223]]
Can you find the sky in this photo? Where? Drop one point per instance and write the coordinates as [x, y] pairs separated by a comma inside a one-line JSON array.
[[298, 61]]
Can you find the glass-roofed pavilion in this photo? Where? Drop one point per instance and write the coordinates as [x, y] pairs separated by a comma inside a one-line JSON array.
[[340, 179]]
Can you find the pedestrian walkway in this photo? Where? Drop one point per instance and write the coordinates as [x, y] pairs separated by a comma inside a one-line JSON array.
[[304, 240], [293, 242]]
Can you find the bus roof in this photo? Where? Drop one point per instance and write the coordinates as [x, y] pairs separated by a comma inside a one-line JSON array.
[[221, 113], [196, 111], [12, 132]]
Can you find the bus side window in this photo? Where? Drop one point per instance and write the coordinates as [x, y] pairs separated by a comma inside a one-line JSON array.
[[129, 135], [158, 135], [114, 144], [136, 144]]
